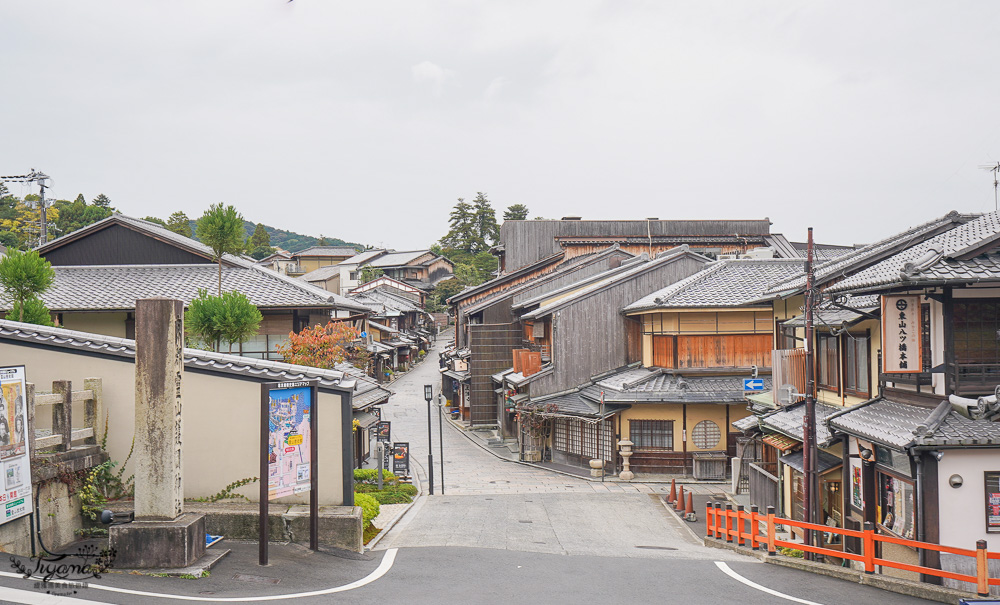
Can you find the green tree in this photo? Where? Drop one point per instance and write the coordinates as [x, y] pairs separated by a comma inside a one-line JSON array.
[[261, 252], [24, 276], [259, 238], [153, 219], [485, 219], [462, 229], [437, 302], [230, 317], [102, 201], [221, 229], [33, 311], [516, 212], [78, 214], [370, 274], [179, 222], [322, 241]]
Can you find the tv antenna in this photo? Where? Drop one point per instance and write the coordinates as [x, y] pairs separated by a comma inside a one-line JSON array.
[[995, 169]]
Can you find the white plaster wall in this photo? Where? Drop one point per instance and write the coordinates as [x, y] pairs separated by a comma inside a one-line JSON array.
[[221, 420], [963, 510]]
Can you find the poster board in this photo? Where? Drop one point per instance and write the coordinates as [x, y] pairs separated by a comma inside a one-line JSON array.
[[857, 495], [290, 431], [901, 342], [383, 430], [401, 458], [992, 501], [15, 466]]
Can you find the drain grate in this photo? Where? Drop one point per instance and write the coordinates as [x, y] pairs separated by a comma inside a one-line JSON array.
[[242, 577], [657, 547]]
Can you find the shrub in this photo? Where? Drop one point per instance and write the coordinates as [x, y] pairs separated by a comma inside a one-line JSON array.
[[369, 507], [370, 476]]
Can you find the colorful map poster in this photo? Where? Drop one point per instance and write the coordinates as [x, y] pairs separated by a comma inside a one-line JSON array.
[[288, 441], [15, 495]]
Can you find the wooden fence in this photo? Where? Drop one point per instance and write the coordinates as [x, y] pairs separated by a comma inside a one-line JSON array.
[[743, 527], [61, 399], [763, 486]]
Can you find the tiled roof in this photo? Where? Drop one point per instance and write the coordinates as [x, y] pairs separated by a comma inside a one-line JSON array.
[[327, 251], [366, 391], [957, 430], [381, 327], [729, 283], [746, 423], [573, 404], [829, 315], [396, 259], [938, 259], [882, 420], [381, 302], [321, 274], [116, 287], [652, 386], [362, 257], [788, 421], [872, 253]]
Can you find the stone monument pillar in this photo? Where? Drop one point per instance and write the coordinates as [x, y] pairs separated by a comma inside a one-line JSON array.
[[162, 535]]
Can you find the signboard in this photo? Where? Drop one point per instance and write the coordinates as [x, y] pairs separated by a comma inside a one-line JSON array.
[[289, 429], [857, 485], [382, 431], [15, 495], [401, 458], [992, 501], [753, 384], [901, 342], [387, 457]]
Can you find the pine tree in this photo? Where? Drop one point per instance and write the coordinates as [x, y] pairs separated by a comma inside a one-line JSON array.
[[179, 222], [486, 227], [221, 229], [516, 212], [462, 234], [102, 201], [259, 238]]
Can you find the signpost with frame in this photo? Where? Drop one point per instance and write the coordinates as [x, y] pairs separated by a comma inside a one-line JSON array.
[[283, 407]]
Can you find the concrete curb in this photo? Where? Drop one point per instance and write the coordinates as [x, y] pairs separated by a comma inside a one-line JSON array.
[[683, 522], [910, 588], [385, 530]]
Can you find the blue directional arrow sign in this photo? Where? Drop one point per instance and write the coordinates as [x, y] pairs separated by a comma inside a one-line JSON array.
[[753, 384]]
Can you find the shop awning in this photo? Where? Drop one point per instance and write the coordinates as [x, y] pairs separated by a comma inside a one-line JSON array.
[[825, 461], [367, 419], [779, 441]]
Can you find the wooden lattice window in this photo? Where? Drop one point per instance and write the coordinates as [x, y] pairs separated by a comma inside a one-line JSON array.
[[706, 435], [651, 434]]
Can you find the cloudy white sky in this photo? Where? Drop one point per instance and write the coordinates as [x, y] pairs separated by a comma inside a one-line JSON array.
[[366, 120]]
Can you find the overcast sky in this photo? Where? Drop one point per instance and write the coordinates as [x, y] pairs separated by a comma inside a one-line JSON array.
[[366, 120]]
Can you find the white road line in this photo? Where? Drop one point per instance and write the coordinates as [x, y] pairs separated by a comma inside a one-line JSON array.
[[384, 566], [732, 574]]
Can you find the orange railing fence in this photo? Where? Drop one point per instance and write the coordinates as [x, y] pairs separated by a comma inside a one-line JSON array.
[[743, 527]]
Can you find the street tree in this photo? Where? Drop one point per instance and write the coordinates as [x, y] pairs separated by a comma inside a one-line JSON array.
[[325, 346], [516, 212], [24, 276], [179, 222], [230, 317], [221, 229]]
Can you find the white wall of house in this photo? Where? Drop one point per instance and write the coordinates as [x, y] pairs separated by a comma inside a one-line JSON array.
[[963, 510], [109, 324]]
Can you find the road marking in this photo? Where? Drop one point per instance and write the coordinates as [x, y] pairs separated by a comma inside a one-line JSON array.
[[732, 574], [383, 567], [27, 597]]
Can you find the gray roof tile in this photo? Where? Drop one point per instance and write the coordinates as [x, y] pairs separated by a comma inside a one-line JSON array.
[[789, 420], [884, 421]]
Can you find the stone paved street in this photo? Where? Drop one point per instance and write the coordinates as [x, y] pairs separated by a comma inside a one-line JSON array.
[[491, 502]]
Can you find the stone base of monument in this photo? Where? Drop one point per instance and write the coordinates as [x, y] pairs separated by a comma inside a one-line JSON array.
[[159, 544]]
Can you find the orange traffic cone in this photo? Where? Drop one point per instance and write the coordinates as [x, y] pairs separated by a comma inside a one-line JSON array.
[[679, 505], [673, 492], [689, 511]]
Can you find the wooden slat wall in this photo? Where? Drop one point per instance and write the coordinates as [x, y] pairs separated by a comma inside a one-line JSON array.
[[633, 338], [491, 346], [788, 366], [118, 245], [663, 351], [713, 351]]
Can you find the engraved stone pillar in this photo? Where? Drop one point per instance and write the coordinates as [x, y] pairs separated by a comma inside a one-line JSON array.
[[159, 368]]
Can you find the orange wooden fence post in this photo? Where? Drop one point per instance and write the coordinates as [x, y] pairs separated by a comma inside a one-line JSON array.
[[718, 520], [708, 520], [869, 547], [739, 525], [754, 544], [673, 492], [770, 531], [729, 523], [982, 570]]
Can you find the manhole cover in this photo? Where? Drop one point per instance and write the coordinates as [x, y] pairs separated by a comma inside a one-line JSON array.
[[657, 547], [242, 577]]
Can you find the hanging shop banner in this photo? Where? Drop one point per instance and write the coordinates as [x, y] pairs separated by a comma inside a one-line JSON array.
[[901, 340], [992, 501], [857, 484], [401, 458], [15, 497], [383, 430], [289, 430]]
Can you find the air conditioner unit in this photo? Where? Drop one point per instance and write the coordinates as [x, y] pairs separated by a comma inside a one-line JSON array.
[[767, 252], [727, 257]]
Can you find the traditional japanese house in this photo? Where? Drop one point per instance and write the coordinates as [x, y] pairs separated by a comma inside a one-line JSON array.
[[101, 269], [316, 257]]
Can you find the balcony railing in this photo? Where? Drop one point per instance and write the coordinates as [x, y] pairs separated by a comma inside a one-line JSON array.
[[974, 378]]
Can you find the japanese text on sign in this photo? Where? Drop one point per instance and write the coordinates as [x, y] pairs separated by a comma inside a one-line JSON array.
[[901, 343]]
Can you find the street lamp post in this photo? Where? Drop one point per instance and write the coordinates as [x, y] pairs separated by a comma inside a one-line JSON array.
[[441, 437], [428, 395]]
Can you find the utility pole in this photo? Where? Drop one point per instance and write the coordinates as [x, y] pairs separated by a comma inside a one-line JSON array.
[[34, 177], [809, 452]]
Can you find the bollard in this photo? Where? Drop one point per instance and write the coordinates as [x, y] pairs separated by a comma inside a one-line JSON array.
[[770, 531], [673, 492], [754, 543]]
